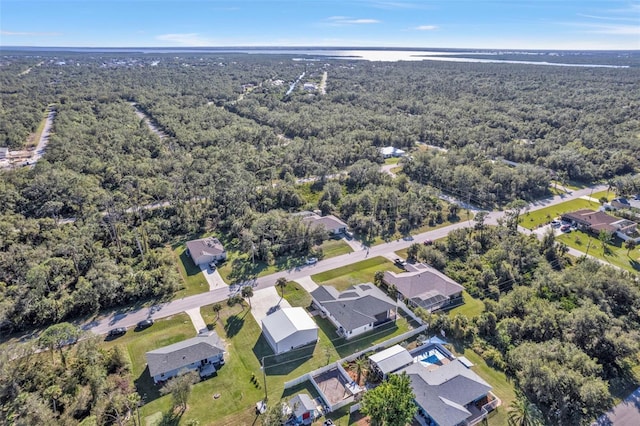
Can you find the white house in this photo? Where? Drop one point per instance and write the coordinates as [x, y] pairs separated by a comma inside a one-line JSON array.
[[289, 328], [390, 360], [206, 250], [389, 151], [356, 310], [203, 353]]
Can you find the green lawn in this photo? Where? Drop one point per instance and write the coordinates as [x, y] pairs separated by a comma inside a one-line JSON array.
[[356, 273], [537, 218], [392, 160], [333, 248], [192, 277], [472, 307], [616, 253], [296, 295]]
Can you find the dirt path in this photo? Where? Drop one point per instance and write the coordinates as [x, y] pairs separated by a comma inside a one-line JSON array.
[[155, 129], [323, 84]]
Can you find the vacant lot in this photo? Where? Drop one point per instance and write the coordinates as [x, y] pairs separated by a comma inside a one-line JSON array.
[[356, 273]]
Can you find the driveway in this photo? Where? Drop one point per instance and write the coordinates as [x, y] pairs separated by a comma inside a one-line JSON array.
[[307, 283], [213, 277], [624, 414], [265, 302], [197, 320]]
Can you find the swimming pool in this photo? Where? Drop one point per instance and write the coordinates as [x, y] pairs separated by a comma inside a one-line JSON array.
[[430, 356]]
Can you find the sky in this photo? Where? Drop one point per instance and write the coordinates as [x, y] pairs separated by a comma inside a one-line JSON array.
[[492, 24]]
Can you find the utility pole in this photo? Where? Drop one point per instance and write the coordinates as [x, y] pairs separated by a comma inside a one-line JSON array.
[[264, 377]]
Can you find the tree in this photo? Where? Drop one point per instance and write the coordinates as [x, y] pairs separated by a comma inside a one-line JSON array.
[[391, 403], [360, 366], [58, 336], [247, 293], [179, 388], [217, 307], [630, 245], [605, 238], [281, 283], [275, 415], [523, 412], [378, 277], [512, 214]]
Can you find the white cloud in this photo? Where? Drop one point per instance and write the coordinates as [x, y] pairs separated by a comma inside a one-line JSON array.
[[344, 20], [186, 39], [426, 28]]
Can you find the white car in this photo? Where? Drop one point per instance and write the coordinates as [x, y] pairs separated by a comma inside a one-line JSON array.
[[311, 261]]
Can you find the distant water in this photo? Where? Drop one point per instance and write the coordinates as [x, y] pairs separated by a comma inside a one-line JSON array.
[[383, 55]]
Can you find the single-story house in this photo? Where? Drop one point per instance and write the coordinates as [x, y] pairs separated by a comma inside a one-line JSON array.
[[330, 223], [289, 328], [591, 221], [203, 353], [450, 395], [309, 86], [425, 287], [389, 361], [206, 250], [389, 151], [302, 410], [356, 310], [4, 152]]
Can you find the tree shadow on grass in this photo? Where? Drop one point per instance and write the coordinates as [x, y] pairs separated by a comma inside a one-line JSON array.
[[145, 387], [235, 323], [171, 418], [283, 364]]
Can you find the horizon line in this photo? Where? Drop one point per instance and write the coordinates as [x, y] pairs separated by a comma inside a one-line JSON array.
[[321, 47]]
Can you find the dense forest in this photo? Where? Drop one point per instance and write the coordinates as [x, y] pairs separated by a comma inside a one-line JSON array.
[[568, 334], [90, 226]]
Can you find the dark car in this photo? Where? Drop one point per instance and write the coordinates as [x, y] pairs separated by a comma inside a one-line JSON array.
[[144, 324], [116, 332], [428, 242]]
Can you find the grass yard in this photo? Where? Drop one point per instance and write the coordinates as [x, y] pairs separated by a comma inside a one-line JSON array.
[[333, 248], [537, 218], [192, 277], [356, 273], [471, 308], [392, 160], [296, 295], [616, 254]]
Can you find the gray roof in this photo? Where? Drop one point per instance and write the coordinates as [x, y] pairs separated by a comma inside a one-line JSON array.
[[444, 392], [423, 284], [183, 353], [301, 403], [284, 322], [392, 359], [209, 245], [328, 222], [355, 307]]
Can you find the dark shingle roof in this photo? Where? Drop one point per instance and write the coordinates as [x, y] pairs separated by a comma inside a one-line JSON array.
[[356, 307], [423, 284], [183, 353], [444, 392]]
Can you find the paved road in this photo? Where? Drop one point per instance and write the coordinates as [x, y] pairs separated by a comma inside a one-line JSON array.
[[129, 318], [627, 413]]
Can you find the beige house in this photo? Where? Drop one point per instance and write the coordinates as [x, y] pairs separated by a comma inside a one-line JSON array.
[[206, 250]]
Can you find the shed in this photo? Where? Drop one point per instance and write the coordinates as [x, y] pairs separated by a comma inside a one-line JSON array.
[[289, 328]]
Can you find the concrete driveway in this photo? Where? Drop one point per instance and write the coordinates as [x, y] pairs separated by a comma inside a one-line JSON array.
[[626, 413], [266, 301], [213, 277], [307, 283]]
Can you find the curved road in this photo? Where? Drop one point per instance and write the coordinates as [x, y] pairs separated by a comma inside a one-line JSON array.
[[104, 323]]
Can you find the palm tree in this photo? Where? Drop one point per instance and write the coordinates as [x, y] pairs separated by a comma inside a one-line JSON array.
[[247, 292], [630, 245], [281, 283], [523, 412], [360, 366], [217, 308]]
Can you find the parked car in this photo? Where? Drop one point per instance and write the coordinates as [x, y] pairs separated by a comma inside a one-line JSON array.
[[116, 332], [311, 261], [348, 234], [144, 324], [565, 228], [400, 263], [556, 223], [212, 265], [428, 242]]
